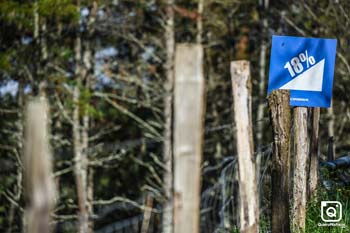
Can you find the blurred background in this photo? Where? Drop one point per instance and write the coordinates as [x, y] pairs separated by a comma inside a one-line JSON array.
[[105, 68]]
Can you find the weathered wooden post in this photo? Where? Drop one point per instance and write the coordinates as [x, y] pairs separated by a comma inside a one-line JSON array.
[[249, 200], [301, 154], [37, 160], [281, 124], [188, 136], [147, 214], [314, 154]]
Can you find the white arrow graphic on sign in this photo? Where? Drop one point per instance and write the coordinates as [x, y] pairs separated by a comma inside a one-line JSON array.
[[310, 80]]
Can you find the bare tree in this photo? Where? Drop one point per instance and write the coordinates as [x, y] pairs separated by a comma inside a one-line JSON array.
[[168, 217], [80, 121]]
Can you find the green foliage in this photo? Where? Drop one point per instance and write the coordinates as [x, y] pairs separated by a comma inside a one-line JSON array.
[[62, 9], [5, 64], [264, 223], [20, 14]]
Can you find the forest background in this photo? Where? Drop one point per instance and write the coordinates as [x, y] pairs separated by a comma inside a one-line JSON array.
[[105, 68]]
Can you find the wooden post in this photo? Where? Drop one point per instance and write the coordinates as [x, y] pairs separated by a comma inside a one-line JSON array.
[[249, 200], [281, 124], [39, 184], [188, 136], [301, 153], [313, 172], [147, 214]]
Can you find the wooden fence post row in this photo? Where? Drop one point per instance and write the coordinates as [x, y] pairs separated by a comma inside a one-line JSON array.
[[305, 162], [249, 198], [188, 136], [37, 160]]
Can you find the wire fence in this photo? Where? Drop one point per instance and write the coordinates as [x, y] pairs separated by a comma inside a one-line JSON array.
[[219, 201]]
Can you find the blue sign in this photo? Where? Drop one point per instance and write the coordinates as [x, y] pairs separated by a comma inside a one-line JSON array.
[[305, 66]]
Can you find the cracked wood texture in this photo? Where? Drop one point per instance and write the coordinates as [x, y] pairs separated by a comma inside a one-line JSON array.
[[249, 199], [188, 136], [280, 114], [301, 154]]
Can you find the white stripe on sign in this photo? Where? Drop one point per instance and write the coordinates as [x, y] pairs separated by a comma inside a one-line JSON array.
[[310, 80]]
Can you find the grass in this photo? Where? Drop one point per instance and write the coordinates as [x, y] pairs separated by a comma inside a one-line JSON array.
[[336, 192]]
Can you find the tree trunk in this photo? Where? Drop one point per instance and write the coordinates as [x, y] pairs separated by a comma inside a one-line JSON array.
[[262, 94], [330, 115], [281, 124], [200, 8], [168, 217], [314, 154], [188, 136], [80, 165], [37, 160], [81, 123], [262, 81], [249, 198], [330, 153], [301, 153], [79, 142]]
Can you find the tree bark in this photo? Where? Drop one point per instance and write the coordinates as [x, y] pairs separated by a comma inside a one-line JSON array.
[[168, 210], [80, 165], [314, 153], [188, 136], [81, 123], [301, 150], [281, 124], [249, 198], [79, 142]]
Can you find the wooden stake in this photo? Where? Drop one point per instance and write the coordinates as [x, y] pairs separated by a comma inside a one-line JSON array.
[[39, 184], [281, 123], [249, 201], [301, 150], [313, 173], [188, 136]]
